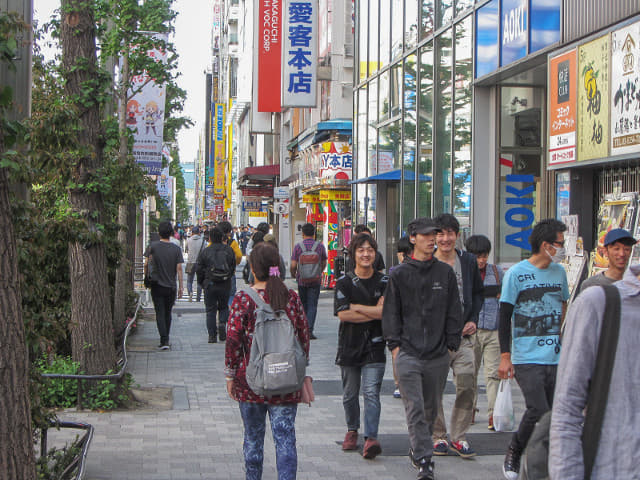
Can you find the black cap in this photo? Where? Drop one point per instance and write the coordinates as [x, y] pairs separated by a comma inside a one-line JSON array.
[[423, 226], [619, 235]]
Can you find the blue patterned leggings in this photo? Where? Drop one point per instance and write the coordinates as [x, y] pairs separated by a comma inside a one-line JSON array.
[[282, 418]]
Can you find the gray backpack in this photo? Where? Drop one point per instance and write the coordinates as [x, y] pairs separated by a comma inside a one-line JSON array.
[[277, 362], [309, 264]]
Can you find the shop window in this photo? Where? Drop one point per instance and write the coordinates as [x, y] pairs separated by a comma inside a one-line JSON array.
[[443, 123], [411, 24], [363, 35], [425, 131], [426, 19], [374, 40], [385, 32], [521, 117], [397, 29], [444, 12]]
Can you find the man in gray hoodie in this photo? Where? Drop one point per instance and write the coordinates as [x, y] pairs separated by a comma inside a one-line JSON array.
[[618, 453]]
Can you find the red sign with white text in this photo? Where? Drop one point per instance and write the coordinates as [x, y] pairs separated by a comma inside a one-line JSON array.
[[269, 30]]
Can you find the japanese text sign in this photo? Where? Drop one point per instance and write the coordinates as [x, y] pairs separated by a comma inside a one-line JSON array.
[[269, 33], [336, 161], [562, 108]]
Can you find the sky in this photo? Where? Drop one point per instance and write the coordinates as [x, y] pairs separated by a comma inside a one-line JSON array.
[[193, 43]]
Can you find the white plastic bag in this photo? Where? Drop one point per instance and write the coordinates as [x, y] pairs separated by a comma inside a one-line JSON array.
[[504, 419]]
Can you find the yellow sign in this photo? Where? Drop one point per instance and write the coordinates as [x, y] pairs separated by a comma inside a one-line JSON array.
[[220, 157], [257, 214], [335, 195], [311, 198]]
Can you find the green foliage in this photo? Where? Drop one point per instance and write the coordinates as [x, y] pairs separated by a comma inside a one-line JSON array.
[[53, 464]]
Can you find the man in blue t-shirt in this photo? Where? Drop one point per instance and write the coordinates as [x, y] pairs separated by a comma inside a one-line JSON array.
[[532, 306]]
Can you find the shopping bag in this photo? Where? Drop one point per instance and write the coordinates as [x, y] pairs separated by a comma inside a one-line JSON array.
[[504, 419]]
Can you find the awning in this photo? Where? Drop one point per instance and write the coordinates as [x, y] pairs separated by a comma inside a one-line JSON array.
[[264, 173], [392, 176], [289, 180]]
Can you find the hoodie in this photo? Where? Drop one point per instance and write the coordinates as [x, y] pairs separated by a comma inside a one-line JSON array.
[[422, 313]]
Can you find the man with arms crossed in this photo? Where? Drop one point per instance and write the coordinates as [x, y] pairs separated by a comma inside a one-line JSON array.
[[422, 322]]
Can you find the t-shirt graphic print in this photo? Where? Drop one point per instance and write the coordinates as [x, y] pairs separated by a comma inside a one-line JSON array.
[[537, 296]]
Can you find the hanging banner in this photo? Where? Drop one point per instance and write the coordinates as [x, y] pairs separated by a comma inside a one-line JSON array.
[[300, 54], [164, 184], [625, 90], [562, 108], [336, 161], [268, 32], [209, 201], [145, 114], [593, 107], [220, 159]]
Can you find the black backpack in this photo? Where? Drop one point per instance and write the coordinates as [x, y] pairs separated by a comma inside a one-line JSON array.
[[220, 270]]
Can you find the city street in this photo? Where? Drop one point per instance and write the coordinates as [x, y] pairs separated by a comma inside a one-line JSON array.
[[200, 436]]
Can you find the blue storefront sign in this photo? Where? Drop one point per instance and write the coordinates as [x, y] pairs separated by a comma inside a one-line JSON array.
[[508, 30]]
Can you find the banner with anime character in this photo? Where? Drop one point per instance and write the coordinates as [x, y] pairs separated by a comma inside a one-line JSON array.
[[145, 114]]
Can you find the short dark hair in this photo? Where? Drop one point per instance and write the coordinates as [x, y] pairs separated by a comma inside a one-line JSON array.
[[263, 227], [405, 246], [358, 241], [448, 222], [478, 245], [257, 237], [216, 235], [308, 230], [361, 228], [545, 231], [225, 227], [165, 229]]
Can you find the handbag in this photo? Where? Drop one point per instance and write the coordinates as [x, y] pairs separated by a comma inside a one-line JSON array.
[[189, 268]]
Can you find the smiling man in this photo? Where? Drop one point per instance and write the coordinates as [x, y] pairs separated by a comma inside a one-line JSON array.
[[619, 244]]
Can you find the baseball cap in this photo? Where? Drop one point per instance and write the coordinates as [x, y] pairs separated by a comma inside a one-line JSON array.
[[195, 229], [618, 234], [423, 226]]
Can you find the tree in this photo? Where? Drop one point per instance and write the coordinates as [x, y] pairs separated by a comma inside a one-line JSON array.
[[16, 450], [92, 339]]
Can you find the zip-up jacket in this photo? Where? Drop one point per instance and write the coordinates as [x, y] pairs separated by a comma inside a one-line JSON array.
[[472, 287], [422, 313]]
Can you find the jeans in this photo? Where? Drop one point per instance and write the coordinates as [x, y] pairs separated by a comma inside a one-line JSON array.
[[371, 376], [462, 363], [190, 277], [232, 293], [163, 300], [421, 384], [216, 296], [309, 297], [537, 382], [282, 418]]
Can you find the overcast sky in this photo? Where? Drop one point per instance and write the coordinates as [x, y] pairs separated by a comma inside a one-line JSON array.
[[193, 43]]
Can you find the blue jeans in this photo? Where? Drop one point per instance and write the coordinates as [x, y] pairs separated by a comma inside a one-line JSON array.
[[282, 418], [309, 297], [371, 376], [190, 277], [215, 300], [232, 293]]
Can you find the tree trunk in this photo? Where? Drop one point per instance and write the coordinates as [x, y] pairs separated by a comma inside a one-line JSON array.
[[17, 459], [92, 339]]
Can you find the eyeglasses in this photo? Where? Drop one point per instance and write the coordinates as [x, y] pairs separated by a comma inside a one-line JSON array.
[[559, 244]]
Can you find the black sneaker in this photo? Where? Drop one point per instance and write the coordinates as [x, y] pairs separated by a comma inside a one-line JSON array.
[[425, 469], [222, 332], [511, 466], [213, 339]]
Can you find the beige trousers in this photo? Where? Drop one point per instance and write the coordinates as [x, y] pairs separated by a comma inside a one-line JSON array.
[[464, 371], [487, 350]]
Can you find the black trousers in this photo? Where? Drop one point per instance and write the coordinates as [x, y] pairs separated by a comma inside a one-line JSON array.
[[163, 300]]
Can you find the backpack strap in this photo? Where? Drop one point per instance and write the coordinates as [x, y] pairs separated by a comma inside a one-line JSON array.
[[357, 283], [255, 296], [495, 272], [313, 247], [601, 379]]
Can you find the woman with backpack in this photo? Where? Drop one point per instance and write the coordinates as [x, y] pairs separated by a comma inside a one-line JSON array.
[[264, 262]]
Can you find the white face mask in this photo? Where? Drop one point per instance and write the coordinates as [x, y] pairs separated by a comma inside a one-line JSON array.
[[560, 255]]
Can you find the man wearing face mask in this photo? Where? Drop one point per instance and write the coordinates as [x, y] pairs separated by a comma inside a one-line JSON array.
[[532, 308]]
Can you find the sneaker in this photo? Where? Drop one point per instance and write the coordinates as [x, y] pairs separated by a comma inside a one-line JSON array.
[[463, 449], [511, 466], [425, 469], [165, 346], [441, 447], [396, 393], [490, 426], [350, 441], [222, 333], [312, 336], [371, 448], [213, 339]]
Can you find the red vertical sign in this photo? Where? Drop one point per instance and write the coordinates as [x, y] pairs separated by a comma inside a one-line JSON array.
[[269, 55]]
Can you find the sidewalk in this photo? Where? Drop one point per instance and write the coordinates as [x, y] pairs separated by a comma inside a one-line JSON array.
[[200, 437]]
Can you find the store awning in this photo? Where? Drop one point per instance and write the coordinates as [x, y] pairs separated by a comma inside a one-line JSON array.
[[264, 173], [392, 176], [289, 180]]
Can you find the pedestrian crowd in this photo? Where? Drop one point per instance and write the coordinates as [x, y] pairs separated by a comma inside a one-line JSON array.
[[440, 308]]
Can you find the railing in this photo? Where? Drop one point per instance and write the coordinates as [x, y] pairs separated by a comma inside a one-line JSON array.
[[79, 461]]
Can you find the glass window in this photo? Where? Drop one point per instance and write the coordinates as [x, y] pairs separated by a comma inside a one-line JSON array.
[[363, 34], [409, 137], [397, 30], [411, 24], [425, 132], [513, 41], [521, 117], [372, 122], [426, 19], [395, 87], [443, 118], [362, 160], [487, 26], [389, 148], [462, 5], [462, 119], [545, 24], [374, 41], [385, 32], [444, 12], [383, 102]]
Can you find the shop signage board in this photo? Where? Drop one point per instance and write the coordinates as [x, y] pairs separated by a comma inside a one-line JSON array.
[[281, 193], [514, 15], [257, 191], [258, 214], [268, 31], [336, 161], [593, 104], [220, 153], [281, 208], [252, 204], [300, 54], [311, 198], [562, 108], [625, 88], [335, 195]]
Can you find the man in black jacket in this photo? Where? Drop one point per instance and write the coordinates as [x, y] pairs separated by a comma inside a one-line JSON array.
[[470, 289], [216, 265], [421, 322]]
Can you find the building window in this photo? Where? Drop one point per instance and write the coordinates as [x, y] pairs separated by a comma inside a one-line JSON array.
[[385, 32], [363, 35], [426, 19], [397, 29], [444, 12], [374, 40], [443, 123], [425, 131], [411, 24], [409, 141]]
